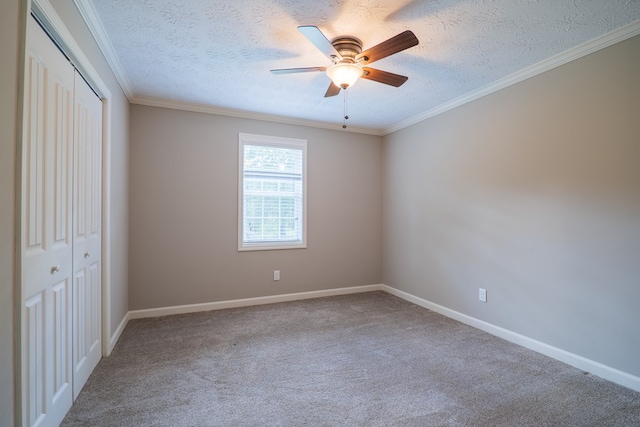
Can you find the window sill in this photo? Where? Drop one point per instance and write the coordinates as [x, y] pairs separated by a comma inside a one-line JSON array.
[[271, 246]]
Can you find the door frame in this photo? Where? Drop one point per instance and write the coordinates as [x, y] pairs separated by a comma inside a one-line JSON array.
[[56, 28]]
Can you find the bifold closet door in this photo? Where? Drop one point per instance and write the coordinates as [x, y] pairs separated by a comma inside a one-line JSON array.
[[87, 207], [46, 236], [60, 232]]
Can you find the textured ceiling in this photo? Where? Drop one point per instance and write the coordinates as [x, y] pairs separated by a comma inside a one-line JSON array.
[[218, 53]]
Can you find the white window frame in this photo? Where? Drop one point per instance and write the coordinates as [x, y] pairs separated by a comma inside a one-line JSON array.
[[272, 141]]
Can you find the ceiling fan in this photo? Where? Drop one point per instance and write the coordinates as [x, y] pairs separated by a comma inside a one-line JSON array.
[[349, 61]]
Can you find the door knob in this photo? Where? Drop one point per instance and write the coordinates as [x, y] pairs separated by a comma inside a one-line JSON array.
[[87, 254], [55, 269]]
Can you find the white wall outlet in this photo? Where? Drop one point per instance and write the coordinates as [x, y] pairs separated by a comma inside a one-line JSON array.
[[482, 294], [276, 275]]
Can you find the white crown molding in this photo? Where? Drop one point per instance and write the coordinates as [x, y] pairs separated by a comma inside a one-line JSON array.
[[198, 108], [601, 42], [91, 18]]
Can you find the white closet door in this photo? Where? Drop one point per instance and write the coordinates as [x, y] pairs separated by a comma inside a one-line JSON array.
[[87, 348], [46, 232]]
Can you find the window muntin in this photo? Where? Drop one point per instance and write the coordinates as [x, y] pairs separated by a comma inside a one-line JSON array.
[[272, 193]]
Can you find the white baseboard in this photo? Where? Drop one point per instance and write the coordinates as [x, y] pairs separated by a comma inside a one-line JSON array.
[[246, 302], [582, 363], [116, 334]]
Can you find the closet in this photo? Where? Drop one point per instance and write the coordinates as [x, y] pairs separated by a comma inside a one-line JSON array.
[[60, 232]]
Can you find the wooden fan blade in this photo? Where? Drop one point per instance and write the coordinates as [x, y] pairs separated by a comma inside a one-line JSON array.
[[332, 91], [315, 36], [298, 70], [395, 44], [385, 77]]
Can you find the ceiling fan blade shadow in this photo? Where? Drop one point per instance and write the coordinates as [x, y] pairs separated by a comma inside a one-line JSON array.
[[315, 36], [324, 12], [385, 77], [395, 44], [298, 70], [426, 69], [416, 9], [333, 90], [253, 55]]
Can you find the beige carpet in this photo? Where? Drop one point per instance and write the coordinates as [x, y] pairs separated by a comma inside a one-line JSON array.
[[357, 360]]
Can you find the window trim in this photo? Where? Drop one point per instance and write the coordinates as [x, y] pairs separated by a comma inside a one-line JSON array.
[[272, 141]]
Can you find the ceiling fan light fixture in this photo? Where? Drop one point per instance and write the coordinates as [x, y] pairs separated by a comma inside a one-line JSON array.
[[344, 75]]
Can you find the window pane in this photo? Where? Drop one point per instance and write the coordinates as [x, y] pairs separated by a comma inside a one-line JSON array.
[[287, 207], [287, 228], [287, 186], [253, 206], [265, 158], [255, 228], [271, 207], [252, 184], [270, 231], [270, 186]]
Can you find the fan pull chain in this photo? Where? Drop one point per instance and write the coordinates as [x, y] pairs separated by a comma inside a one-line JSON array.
[[346, 116]]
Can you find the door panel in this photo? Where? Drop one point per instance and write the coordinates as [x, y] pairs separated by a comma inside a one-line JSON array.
[[60, 318], [35, 404]]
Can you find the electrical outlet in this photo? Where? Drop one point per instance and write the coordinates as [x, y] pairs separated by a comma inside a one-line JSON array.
[[482, 295], [276, 275]]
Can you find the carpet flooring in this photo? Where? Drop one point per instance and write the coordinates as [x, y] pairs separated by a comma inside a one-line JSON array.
[[366, 359]]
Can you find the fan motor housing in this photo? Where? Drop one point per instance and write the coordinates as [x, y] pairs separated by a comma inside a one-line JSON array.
[[348, 47]]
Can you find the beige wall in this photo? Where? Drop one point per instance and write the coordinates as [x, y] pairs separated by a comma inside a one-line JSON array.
[[533, 193], [11, 29], [119, 153], [183, 233]]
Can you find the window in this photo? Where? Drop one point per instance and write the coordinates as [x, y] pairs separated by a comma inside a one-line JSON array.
[[272, 193]]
